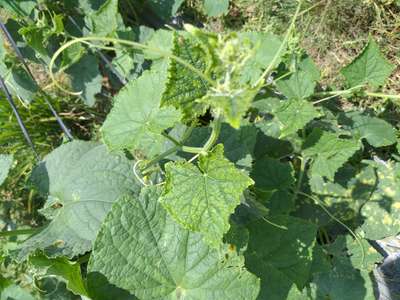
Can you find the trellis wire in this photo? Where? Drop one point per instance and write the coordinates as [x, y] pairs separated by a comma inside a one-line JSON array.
[[60, 122], [18, 116]]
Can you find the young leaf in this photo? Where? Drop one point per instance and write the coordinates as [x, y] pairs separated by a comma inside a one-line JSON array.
[[370, 67], [328, 152], [202, 198], [82, 180], [5, 165], [215, 8], [136, 121], [233, 106], [299, 85], [184, 87], [141, 249]]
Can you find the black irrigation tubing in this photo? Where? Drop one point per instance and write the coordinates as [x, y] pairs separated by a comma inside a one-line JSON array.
[[18, 116], [121, 78], [60, 122]]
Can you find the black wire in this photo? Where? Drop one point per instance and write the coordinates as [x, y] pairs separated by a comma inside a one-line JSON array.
[[60, 122], [17, 115]]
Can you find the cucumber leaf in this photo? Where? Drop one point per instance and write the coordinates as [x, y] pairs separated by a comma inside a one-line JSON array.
[[202, 198], [136, 121], [82, 180], [370, 67], [328, 152], [377, 132], [158, 259]]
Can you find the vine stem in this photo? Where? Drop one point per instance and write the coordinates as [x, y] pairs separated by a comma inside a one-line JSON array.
[[216, 129], [322, 205], [333, 94], [303, 164], [382, 95], [135, 45], [281, 48]]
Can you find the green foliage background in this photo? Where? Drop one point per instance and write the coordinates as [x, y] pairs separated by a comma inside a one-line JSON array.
[[251, 155]]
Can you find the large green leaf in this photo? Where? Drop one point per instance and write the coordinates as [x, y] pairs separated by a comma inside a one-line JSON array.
[[141, 249], [328, 152], [136, 121], [202, 198], [370, 67], [100, 288], [5, 165], [82, 180]]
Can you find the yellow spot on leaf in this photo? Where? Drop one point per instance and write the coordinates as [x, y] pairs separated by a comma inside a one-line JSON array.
[[389, 191], [387, 220]]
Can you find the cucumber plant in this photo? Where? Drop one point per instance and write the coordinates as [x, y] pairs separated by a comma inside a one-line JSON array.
[[224, 169]]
